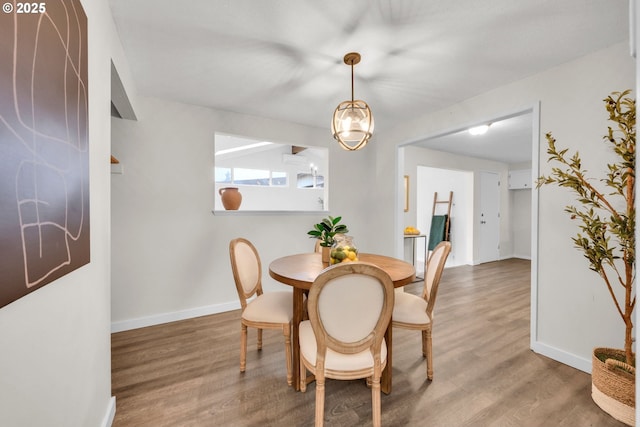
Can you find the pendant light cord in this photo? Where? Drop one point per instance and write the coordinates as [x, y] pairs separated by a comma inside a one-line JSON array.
[[352, 80]]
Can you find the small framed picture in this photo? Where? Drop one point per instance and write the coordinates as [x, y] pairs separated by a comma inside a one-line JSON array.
[[406, 193]]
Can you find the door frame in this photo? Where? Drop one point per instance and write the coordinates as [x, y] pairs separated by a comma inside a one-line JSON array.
[[534, 110]]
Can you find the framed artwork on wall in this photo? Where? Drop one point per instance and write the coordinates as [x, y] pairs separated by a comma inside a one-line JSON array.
[[406, 193], [44, 145]]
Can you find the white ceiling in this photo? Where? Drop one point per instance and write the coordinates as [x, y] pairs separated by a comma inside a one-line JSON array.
[[283, 59], [508, 141]]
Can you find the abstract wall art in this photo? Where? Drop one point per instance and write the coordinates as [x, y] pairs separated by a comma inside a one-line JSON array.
[[44, 144]]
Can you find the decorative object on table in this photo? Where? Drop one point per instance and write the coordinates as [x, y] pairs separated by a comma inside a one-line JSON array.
[[325, 231], [231, 198], [45, 165], [343, 250], [411, 231], [416, 312], [350, 307], [352, 123], [271, 310], [607, 219]]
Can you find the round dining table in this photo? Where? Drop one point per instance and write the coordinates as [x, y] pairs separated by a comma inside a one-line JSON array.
[[300, 270]]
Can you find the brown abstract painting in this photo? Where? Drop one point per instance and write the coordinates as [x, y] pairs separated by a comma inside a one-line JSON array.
[[44, 144]]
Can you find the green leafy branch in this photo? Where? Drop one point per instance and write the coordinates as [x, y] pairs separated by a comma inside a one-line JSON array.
[[326, 229]]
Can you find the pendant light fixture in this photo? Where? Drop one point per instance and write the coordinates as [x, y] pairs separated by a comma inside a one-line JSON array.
[[352, 123]]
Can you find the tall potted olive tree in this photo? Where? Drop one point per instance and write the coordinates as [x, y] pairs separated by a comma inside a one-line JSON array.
[[605, 211]]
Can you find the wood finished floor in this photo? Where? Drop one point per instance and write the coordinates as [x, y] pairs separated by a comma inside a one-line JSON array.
[[187, 373]]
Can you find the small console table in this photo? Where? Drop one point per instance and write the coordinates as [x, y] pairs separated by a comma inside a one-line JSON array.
[[414, 238]]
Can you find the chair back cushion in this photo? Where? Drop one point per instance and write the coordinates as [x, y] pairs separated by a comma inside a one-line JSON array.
[[350, 306], [246, 267]]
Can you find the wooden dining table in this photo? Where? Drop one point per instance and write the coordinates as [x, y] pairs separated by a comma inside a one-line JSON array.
[[300, 270]]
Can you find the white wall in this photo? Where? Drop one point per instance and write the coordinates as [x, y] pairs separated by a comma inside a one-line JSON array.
[[55, 346], [170, 253], [521, 205], [573, 312], [520, 214], [431, 180]]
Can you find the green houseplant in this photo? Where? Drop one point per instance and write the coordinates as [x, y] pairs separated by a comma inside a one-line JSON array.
[[606, 216], [326, 230]]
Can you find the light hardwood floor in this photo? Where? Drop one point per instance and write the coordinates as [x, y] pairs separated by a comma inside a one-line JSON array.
[[187, 373]]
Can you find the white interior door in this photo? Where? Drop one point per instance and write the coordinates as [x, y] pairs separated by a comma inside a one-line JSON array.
[[489, 217]]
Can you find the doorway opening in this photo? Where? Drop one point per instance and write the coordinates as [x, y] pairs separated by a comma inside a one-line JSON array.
[[454, 149]]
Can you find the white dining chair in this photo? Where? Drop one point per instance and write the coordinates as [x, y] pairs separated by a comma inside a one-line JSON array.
[[416, 312], [349, 308], [271, 310]]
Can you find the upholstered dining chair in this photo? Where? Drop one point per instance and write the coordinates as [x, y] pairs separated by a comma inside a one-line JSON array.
[[349, 308], [416, 312], [270, 310]]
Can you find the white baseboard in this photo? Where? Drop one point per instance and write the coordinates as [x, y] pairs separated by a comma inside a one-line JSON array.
[[562, 356], [158, 319], [107, 421], [502, 258]]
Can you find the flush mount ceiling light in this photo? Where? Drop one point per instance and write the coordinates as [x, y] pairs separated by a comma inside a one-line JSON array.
[[352, 123], [479, 130]]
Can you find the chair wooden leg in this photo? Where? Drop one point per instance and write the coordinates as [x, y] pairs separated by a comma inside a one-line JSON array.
[[429, 355], [259, 339], [243, 348], [375, 401], [319, 401], [424, 343], [287, 352], [303, 377]]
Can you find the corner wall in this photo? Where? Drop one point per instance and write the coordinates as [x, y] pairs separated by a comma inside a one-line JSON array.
[[55, 346]]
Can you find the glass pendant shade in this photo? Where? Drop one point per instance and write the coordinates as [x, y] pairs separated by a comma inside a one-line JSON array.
[[352, 124]]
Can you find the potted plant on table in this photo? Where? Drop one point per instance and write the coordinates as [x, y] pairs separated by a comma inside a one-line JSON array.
[[325, 231], [606, 215]]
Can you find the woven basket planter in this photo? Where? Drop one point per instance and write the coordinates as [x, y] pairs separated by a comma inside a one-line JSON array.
[[612, 388]]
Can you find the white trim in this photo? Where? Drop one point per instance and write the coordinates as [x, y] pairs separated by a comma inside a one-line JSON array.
[[107, 421], [535, 170], [562, 356], [535, 193], [158, 319], [260, 213], [400, 199]]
